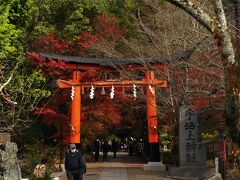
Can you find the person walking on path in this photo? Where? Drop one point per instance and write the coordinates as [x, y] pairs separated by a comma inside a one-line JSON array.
[[105, 149], [75, 164], [140, 147], [130, 146], [114, 148], [96, 149]]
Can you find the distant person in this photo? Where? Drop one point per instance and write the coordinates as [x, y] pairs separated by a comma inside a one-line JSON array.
[[110, 143], [105, 149], [114, 148], [140, 147], [75, 164], [96, 149], [125, 145], [130, 147]]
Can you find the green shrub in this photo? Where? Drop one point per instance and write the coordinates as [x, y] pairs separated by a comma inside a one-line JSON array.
[[39, 153]]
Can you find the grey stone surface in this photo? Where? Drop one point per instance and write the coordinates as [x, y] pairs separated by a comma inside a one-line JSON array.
[[114, 174], [192, 150], [154, 166], [9, 166]]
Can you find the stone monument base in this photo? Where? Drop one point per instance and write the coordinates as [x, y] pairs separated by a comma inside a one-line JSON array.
[[193, 172], [154, 166], [216, 177]]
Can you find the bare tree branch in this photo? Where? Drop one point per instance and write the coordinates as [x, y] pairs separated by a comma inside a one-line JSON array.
[[208, 22], [8, 100], [6, 83], [196, 12]]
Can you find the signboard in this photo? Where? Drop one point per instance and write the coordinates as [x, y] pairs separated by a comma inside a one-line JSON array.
[[192, 150]]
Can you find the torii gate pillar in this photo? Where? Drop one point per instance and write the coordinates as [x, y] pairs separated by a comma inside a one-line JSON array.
[[76, 110], [152, 120]]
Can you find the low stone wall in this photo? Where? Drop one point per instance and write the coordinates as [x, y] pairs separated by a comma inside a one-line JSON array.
[[9, 167]]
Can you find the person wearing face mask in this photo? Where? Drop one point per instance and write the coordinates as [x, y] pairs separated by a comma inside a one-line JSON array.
[[75, 164]]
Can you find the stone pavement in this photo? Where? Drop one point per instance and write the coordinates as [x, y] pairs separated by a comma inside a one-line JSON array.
[[121, 168], [114, 173]]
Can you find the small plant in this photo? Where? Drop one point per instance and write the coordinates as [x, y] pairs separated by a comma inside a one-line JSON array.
[[36, 154]]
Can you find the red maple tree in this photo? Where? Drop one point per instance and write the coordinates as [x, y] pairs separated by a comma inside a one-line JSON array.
[[102, 110]]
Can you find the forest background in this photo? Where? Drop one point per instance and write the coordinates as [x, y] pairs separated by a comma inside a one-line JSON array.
[[37, 114]]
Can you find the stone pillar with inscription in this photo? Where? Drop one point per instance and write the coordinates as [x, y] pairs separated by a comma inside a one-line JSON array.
[[9, 167], [192, 150]]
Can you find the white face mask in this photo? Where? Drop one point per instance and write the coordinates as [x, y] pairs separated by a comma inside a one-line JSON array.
[[73, 150]]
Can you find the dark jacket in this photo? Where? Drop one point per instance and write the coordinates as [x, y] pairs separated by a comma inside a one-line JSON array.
[[105, 147], [96, 146], [75, 161], [114, 146]]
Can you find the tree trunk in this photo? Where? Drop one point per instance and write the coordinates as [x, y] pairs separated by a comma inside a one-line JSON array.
[[223, 34], [233, 107], [228, 55]]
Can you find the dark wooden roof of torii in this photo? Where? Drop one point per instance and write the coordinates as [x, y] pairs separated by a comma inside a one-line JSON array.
[[112, 63], [119, 62]]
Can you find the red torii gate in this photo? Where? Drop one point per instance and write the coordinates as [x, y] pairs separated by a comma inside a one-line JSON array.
[[84, 64], [76, 102]]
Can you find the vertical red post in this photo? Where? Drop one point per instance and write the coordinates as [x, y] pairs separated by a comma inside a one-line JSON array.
[[151, 111], [223, 159], [76, 110]]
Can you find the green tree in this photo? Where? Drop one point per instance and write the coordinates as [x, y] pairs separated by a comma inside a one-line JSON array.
[[65, 18], [21, 86]]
